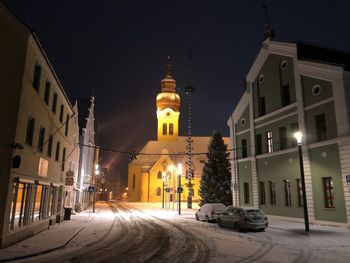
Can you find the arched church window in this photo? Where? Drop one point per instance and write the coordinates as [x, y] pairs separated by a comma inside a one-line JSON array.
[[133, 181], [164, 128], [159, 191], [159, 175], [171, 129]]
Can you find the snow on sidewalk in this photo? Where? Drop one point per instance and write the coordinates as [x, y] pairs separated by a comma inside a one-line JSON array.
[[58, 235]]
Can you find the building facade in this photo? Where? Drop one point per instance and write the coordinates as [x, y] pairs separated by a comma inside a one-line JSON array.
[[35, 136], [86, 108], [154, 175], [294, 87]]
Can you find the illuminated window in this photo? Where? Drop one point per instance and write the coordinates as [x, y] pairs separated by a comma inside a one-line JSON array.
[[328, 192], [269, 144], [43, 167], [165, 129], [171, 129], [287, 193]]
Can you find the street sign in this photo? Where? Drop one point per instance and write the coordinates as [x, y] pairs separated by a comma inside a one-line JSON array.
[[91, 189], [167, 190], [348, 178], [179, 190]]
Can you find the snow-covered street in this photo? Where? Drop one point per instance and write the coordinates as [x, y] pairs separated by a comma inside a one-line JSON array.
[[139, 232]]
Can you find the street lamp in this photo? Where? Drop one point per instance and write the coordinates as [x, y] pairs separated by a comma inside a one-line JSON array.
[[96, 172], [163, 179], [298, 136], [173, 179], [179, 189]]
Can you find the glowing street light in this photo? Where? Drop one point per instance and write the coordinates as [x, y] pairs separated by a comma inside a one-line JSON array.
[[179, 188], [298, 136], [163, 179]]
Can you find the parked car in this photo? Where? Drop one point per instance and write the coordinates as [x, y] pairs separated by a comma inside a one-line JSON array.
[[243, 218], [210, 212]]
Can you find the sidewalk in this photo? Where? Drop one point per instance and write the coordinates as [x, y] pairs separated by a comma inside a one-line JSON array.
[[55, 237]]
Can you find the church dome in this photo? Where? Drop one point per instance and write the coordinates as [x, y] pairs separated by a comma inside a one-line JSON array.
[[168, 84], [168, 100]]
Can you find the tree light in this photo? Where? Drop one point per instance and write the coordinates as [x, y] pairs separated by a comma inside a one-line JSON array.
[[298, 135]]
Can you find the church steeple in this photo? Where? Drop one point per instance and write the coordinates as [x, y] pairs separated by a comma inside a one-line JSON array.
[[168, 106]]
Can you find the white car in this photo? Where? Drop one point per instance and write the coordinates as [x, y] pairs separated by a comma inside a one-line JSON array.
[[210, 212]]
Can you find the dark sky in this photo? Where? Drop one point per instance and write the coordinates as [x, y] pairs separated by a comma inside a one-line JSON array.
[[118, 49]]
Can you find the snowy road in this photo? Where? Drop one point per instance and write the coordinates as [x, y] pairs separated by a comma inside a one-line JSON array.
[[122, 232]]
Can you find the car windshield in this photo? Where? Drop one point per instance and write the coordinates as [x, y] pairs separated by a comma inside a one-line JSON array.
[[254, 212]]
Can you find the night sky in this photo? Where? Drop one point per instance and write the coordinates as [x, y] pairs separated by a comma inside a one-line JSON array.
[[117, 50]]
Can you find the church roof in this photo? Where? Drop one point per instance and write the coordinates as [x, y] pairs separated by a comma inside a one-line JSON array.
[[177, 152]]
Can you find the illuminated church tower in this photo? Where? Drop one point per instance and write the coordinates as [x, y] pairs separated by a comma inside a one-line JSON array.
[[168, 108]]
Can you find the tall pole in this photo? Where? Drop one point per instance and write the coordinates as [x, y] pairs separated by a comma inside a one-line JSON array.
[[163, 195], [189, 172], [298, 136], [179, 188], [306, 215]]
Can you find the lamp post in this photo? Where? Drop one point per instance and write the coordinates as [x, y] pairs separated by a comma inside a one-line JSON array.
[[179, 189], [96, 172], [163, 179], [298, 136], [171, 171]]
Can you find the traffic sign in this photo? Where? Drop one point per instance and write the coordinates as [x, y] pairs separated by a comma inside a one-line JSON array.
[[91, 189]]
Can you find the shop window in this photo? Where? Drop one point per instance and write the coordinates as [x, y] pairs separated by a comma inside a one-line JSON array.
[[328, 192], [37, 202], [262, 193]]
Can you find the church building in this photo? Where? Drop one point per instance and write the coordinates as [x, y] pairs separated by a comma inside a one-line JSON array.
[[154, 175]]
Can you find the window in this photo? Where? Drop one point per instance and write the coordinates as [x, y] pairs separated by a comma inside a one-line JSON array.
[[258, 144], [262, 109], [63, 158], [242, 122], [321, 128], [261, 78], [283, 64], [294, 127], [47, 92], [285, 95], [37, 202], [67, 125], [283, 137], [61, 113], [328, 192], [30, 130], [57, 158], [49, 146], [54, 103], [164, 129], [133, 181], [272, 193], [244, 148], [246, 193], [36, 77], [43, 167], [41, 139], [262, 193], [299, 192], [316, 90], [171, 129], [159, 191], [159, 175], [269, 143], [287, 193]]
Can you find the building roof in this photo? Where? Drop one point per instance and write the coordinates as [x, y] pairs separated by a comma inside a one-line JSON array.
[[323, 55], [84, 105]]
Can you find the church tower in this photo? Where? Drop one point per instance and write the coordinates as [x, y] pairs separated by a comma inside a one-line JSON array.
[[168, 107]]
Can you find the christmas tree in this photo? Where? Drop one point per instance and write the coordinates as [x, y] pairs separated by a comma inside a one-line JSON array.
[[215, 186]]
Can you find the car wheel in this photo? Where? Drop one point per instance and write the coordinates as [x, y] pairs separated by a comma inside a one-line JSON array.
[[219, 222], [207, 219], [197, 217]]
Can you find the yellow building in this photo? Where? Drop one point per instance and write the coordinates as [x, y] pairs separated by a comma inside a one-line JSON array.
[[153, 176]]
